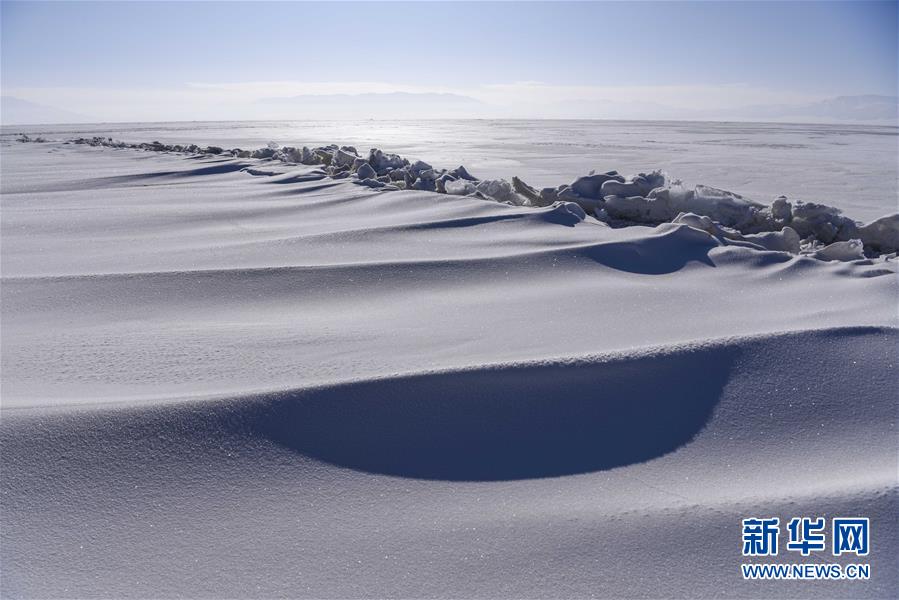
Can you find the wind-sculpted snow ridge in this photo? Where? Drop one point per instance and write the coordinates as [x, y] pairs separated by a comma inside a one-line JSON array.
[[536, 468], [650, 198], [237, 377]]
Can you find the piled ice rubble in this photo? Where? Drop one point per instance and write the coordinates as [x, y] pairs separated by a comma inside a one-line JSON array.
[[643, 199], [27, 138]]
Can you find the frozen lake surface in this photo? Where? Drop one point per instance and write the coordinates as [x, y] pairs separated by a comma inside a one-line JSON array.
[[853, 167]]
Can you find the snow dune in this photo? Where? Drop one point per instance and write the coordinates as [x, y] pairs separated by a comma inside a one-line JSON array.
[[849, 166], [643, 199], [219, 382]]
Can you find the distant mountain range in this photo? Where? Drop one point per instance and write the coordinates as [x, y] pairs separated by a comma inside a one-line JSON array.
[[392, 105], [862, 109], [843, 108], [15, 111], [379, 98], [873, 109]]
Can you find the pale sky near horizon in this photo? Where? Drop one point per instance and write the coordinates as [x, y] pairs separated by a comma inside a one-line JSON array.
[[179, 60]]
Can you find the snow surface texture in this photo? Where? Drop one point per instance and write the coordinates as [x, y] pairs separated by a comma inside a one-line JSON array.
[[850, 166], [226, 377], [646, 198]]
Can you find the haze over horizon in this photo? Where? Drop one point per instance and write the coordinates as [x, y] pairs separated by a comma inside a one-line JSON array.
[[66, 62]]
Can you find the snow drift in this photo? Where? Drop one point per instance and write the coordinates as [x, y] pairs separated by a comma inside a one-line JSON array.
[[242, 377], [646, 198]]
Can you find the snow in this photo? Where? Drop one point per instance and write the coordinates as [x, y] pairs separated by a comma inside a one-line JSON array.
[[853, 167], [225, 384], [881, 233], [644, 198], [845, 251], [460, 187]]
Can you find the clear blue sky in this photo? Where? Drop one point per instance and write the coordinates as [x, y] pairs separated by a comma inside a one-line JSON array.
[[806, 48]]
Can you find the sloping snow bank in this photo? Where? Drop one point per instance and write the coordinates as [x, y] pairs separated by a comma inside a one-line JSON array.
[[643, 199]]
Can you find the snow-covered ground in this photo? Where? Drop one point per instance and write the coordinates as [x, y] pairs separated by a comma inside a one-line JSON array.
[[223, 384], [853, 167]]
